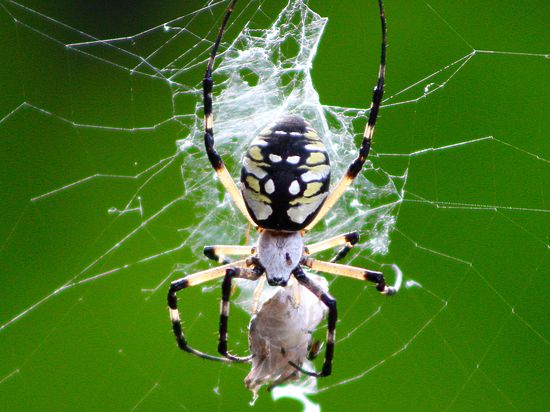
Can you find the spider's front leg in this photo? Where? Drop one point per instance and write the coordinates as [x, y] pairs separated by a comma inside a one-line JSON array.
[[213, 156], [356, 166], [192, 280], [230, 274], [218, 253]]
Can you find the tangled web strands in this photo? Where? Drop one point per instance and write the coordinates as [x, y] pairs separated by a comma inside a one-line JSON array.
[[264, 74]]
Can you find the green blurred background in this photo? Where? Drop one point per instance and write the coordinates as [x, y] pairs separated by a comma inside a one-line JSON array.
[[473, 228]]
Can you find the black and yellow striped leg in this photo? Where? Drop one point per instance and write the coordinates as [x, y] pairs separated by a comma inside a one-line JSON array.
[[351, 272], [356, 166], [183, 283], [330, 302], [230, 274], [213, 156], [348, 240], [219, 252]]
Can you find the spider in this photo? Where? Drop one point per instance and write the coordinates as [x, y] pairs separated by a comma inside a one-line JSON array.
[[284, 191]]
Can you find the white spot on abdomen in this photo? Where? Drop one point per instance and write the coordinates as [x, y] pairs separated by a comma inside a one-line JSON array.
[[269, 186], [315, 147], [294, 187]]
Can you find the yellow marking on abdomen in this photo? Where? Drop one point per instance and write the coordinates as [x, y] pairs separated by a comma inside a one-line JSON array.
[[306, 200], [258, 197], [253, 183], [311, 135], [313, 188], [256, 153], [315, 157]]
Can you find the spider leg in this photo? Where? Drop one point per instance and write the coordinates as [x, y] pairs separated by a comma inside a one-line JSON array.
[[297, 298], [218, 252], [330, 302], [355, 167], [257, 294], [348, 240], [213, 156], [230, 274], [192, 280], [351, 272]]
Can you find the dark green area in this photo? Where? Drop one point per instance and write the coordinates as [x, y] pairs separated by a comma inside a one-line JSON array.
[[473, 228]]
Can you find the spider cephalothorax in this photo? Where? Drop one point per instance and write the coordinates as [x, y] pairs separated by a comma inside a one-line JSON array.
[[279, 253], [284, 192]]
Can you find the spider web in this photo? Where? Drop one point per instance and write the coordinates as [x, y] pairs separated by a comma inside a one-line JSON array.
[[108, 197]]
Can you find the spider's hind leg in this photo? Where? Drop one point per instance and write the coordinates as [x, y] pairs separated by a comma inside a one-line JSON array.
[[183, 283], [230, 274]]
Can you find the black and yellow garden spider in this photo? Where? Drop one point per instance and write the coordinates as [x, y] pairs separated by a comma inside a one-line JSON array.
[[284, 192]]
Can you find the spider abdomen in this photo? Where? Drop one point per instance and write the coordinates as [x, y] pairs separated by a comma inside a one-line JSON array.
[[285, 175]]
